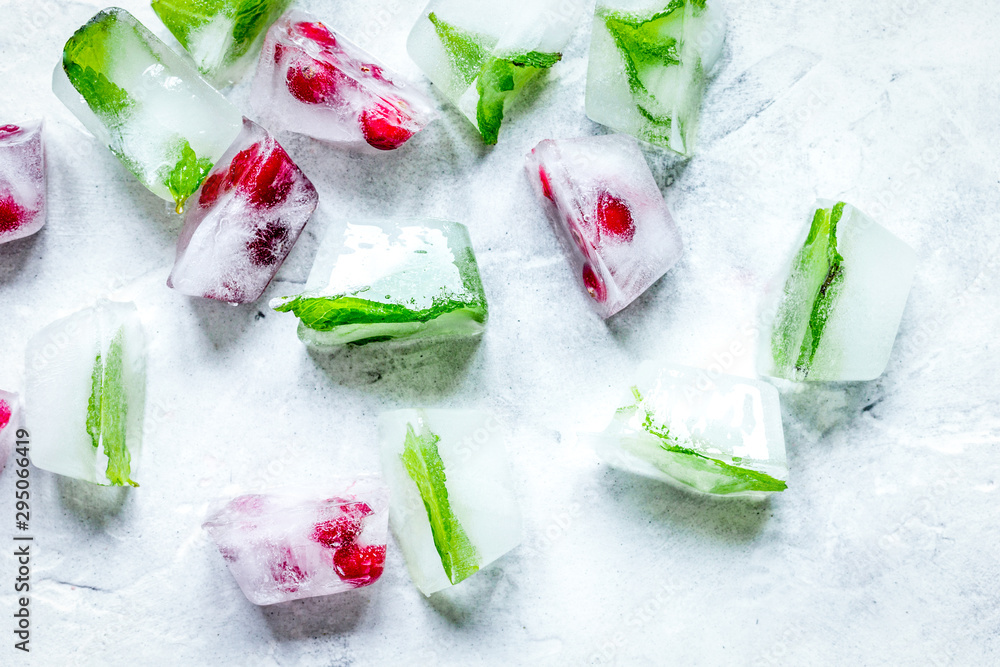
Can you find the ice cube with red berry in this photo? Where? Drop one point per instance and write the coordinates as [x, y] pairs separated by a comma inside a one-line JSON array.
[[601, 198], [289, 544], [22, 180], [247, 215], [314, 81], [10, 422]]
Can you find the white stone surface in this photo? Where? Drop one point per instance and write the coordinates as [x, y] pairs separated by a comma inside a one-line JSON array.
[[883, 549]]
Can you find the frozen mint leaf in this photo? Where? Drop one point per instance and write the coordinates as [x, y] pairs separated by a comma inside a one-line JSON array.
[[114, 413], [467, 51], [424, 466], [187, 174], [499, 78], [182, 17], [85, 63], [325, 313], [809, 294], [94, 403], [253, 17]]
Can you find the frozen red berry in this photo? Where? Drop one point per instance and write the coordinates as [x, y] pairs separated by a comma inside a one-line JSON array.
[[267, 244], [286, 572], [8, 130], [12, 214], [210, 189], [265, 182], [595, 286], [383, 128], [362, 565], [546, 184], [374, 71], [5, 413], [343, 529], [614, 217], [314, 82], [317, 32]]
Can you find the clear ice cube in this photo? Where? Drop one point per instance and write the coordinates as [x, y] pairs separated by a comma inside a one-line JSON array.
[[618, 234], [377, 280], [243, 221], [290, 544], [699, 430], [313, 80], [834, 314], [85, 394], [10, 422], [145, 103], [223, 37], [453, 507], [648, 65], [482, 53], [22, 180]]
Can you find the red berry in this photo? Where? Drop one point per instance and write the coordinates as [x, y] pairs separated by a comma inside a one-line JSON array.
[[12, 214], [286, 573], [210, 189], [267, 243], [375, 71], [614, 217], [382, 127], [271, 181], [279, 51], [546, 184], [345, 527], [595, 286], [316, 32], [8, 130], [361, 565], [312, 81], [5, 413]]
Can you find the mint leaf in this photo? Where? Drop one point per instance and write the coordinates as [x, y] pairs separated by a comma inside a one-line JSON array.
[[325, 313], [253, 17], [809, 295], [424, 466], [186, 175], [500, 77], [466, 51], [85, 60], [107, 411], [726, 478]]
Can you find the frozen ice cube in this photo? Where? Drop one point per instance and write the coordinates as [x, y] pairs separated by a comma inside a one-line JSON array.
[[601, 198], [839, 306], [145, 103], [85, 394], [453, 507], [714, 433], [300, 543], [314, 81], [22, 180], [222, 36], [482, 53], [10, 422], [648, 64], [376, 280], [249, 213]]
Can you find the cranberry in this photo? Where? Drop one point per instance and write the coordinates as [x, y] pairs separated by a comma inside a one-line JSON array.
[[546, 184], [210, 189], [316, 32], [361, 565], [5, 413], [12, 214], [345, 528], [595, 286], [6, 130], [314, 82], [266, 244], [382, 126], [614, 217]]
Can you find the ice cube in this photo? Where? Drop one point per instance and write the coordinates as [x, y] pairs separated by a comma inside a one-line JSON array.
[[648, 64], [85, 394], [482, 53], [376, 280], [22, 180], [146, 103], [702, 430], [607, 209], [222, 36], [249, 212], [10, 422], [453, 508], [314, 81], [836, 317], [290, 544]]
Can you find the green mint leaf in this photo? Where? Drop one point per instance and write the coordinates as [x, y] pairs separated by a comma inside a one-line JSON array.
[[809, 295], [85, 61], [94, 403], [424, 466], [498, 79], [466, 51], [114, 413], [325, 313], [186, 175], [253, 17]]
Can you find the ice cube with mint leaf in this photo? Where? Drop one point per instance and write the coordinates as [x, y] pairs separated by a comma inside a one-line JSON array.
[[223, 37], [481, 54], [453, 508], [699, 430], [834, 314], [145, 103], [380, 280], [649, 62], [85, 394]]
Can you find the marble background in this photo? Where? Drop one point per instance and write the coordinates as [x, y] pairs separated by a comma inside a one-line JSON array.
[[883, 551]]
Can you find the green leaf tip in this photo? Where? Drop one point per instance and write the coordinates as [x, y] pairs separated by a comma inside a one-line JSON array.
[[424, 466], [186, 175], [107, 411]]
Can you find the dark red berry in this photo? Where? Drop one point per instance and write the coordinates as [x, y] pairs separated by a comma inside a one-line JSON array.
[[5, 413], [314, 82], [210, 189], [12, 214], [286, 573], [279, 51], [7, 130], [382, 127], [360, 565], [614, 217], [336, 532], [270, 183], [317, 32], [546, 183], [595, 286], [267, 243]]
